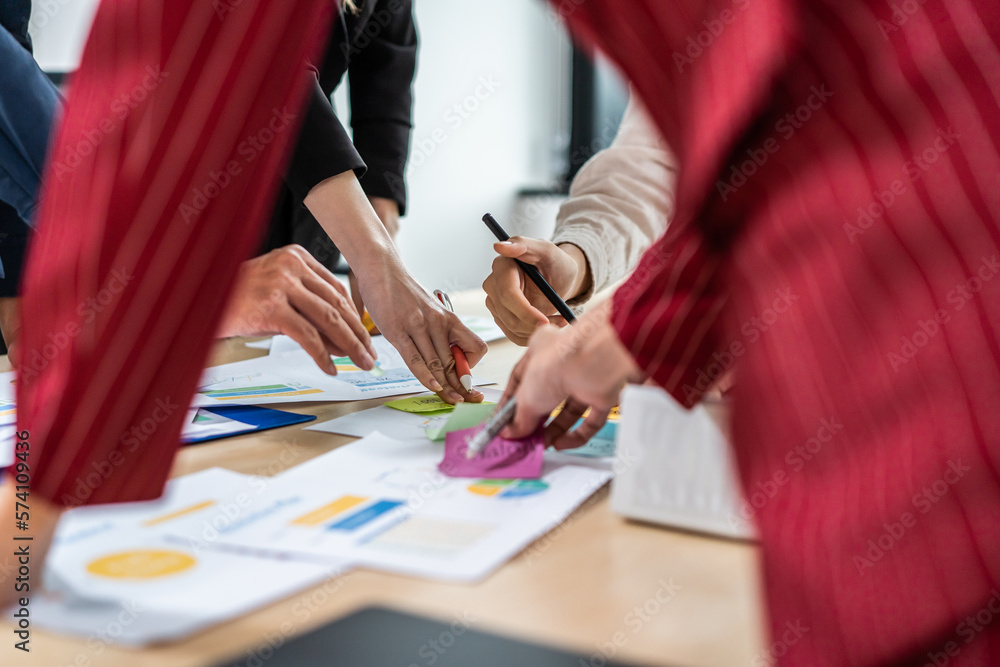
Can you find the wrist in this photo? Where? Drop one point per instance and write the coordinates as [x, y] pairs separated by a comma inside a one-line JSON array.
[[346, 215], [583, 279]]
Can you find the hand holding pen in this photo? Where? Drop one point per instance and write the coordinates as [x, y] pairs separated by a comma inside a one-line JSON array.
[[503, 417]]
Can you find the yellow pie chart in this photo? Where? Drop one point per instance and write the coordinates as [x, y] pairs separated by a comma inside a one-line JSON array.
[[141, 564]]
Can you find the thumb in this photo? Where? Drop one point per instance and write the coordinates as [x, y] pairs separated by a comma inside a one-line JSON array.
[[532, 251]]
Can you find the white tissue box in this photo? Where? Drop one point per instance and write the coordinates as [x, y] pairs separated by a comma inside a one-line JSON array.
[[675, 467]]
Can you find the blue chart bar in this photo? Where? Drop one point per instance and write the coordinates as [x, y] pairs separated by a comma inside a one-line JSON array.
[[366, 515]]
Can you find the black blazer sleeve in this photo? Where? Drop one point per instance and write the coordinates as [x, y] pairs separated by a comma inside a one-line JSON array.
[[324, 148], [381, 75]]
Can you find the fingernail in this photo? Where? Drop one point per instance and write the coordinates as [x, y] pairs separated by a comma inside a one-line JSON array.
[[455, 396], [436, 386]]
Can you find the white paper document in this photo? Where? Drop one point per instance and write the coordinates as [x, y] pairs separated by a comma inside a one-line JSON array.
[[391, 422], [207, 424], [484, 327], [115, 562], [291, 376], [381, 503]]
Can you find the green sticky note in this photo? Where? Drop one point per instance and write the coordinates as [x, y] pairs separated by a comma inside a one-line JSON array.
[[465, 415], [421, 404]]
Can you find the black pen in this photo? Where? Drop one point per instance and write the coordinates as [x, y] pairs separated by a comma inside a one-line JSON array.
[[532, 272]]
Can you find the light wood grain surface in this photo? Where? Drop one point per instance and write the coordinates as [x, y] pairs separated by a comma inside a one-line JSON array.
[[594, 585]]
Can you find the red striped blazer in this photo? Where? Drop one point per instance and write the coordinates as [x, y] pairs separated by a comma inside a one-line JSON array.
[[836, 242]]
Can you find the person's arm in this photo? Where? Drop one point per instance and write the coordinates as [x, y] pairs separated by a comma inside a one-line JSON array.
[[130, 269], [619, 203], [381, 70], [414, 322], [29, 106]]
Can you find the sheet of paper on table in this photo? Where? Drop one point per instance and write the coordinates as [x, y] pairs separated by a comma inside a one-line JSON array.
[[204, 424], [434, 426], [388, 361], [115, 562], [293, 377], [484, 327], [381, 503], [393, 423], [8, 417]]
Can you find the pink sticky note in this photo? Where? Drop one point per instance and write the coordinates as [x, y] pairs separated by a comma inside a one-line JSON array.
[[501, 459]]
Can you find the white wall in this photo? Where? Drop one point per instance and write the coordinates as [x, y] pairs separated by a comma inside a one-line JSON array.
[[59, 30], [490, 119], [461, 167]]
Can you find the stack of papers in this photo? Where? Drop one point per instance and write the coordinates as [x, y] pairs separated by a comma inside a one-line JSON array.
[[123, 566], [220, 544], [289, 375]]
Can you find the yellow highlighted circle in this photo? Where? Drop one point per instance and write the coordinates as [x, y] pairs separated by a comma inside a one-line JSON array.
[[141, 564]]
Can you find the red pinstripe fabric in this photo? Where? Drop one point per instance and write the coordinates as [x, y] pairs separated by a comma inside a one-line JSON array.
[[155, 194], [872, 540]]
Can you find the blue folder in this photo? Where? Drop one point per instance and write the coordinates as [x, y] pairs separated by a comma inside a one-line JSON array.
[[256, 418]]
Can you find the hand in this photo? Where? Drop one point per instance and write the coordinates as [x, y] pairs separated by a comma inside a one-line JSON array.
[[518, 306], [413, 321], [387, 211], [42, 525], [423, 332], [10, 325], [287, 291], [584, 365]]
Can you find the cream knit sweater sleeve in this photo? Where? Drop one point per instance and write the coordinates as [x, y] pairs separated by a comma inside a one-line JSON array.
[[620, 200]]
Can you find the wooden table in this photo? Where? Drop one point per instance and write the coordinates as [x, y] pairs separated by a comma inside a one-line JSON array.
[[591, 586]]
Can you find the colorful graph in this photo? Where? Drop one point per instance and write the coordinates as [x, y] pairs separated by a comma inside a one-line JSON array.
[[351, 522], [141, 564], [345, 364], [179, 513], [508, 488], [269, 390], [327, 512]]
